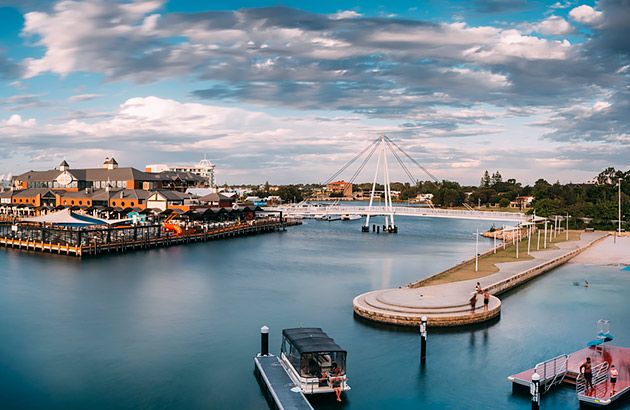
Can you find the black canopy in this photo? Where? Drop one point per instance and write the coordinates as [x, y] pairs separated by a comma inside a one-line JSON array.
[[311, 340]]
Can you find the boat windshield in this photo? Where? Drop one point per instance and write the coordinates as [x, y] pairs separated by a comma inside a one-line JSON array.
[[311, 352]]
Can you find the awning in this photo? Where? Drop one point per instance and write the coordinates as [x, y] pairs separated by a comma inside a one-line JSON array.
[[67, 218]]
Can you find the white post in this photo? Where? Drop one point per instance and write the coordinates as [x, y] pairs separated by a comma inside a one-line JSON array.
[[529, 238], [551, 233], [504, 237], [495, 241], [477, 251], [620, 179], [538, 243], [567, 227], [389, 188], [545, 234]]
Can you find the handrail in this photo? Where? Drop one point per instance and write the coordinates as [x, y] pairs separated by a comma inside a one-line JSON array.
[[600, 375], [552, 371]]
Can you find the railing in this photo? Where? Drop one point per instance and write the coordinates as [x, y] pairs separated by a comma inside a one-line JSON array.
[[382, 210], [552, 371], [600, 375]]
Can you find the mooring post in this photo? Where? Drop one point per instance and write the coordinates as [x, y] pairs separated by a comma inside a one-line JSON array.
[[374, 228], [378, 229], [535, 391], [264, 341], [423, 339]]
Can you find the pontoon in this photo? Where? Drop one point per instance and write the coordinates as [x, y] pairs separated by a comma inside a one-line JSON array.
[[309, 357]]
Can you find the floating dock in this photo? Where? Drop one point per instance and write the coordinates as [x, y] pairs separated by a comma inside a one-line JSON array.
[[276, 382], [566, 369]]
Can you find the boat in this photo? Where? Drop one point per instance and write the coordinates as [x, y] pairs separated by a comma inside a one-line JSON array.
[[348, 217], [332, 217], [309, 357]]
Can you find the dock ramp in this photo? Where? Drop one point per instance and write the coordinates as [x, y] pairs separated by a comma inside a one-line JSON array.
[[276, 382]]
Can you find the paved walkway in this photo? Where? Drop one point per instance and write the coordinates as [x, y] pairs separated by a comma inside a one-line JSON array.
[[448, 304]]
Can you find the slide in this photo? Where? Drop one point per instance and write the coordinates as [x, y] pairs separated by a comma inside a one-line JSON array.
[[174, 228]]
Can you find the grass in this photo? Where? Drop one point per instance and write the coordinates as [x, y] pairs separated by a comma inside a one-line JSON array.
[[487, 264]]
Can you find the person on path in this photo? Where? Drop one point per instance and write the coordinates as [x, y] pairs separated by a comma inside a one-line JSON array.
[[486, 300], [587, 373], [613, 378], [473, 303], [478, 288]]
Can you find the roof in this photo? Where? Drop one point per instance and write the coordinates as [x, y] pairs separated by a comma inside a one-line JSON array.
[[110, 161], [311, 340], [339, 183], [64, 164], [31, 192], [215, 197]]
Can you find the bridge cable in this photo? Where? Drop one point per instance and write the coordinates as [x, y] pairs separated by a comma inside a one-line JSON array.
[[402, 164], [426, 171], [358, 171], [350, 162]]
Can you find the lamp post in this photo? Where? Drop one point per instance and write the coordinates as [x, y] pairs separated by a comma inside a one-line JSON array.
[[477, 251], [620, 179]]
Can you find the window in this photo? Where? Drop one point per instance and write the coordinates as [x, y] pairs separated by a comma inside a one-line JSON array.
[[122, 203], [80, 202], [72, 202], [131, 203]]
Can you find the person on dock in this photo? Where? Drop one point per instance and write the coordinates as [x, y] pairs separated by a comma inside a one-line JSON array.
[[335, 379], [587, 373], [613, 378], [473, 303], [478, 288], [486, 300]]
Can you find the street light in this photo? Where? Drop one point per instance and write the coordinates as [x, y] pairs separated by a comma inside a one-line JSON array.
[[620, 179]]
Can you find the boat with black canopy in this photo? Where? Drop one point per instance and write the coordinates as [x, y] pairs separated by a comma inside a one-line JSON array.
[[313, 361]]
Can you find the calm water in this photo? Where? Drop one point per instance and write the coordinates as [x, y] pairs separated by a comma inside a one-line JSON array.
[[176, 328]]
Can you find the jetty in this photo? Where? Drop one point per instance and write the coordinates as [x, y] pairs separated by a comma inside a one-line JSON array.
[[279, 387], [450, 304], [81, 242], [565, 369]]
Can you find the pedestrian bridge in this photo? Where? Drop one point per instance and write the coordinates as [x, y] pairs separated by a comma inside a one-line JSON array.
[[429, 212]]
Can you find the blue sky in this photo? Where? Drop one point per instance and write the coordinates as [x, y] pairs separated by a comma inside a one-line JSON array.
[[288, 92]]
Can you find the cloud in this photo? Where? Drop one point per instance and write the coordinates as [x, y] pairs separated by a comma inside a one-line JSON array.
[[84, 97], [16, 121], [587, 15], [554, 25]]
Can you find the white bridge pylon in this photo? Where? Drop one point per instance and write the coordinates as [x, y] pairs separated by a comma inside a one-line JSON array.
[[388, 211]]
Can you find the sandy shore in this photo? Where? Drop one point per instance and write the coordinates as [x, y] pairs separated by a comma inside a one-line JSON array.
[[606, 253]]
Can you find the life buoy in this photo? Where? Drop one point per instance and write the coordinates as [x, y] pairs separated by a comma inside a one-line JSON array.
[[235, 206]]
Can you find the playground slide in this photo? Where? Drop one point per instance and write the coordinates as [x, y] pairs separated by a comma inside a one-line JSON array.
[[174, 228]]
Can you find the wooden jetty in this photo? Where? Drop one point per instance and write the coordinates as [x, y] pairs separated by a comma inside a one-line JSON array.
[[278, 385], [93, 242], [566, 369]]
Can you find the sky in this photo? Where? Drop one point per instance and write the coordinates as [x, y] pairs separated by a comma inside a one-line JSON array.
[[289, 92]]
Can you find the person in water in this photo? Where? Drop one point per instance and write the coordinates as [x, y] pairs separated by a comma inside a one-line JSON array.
[[585, 284], [588, 372], [613, 378]]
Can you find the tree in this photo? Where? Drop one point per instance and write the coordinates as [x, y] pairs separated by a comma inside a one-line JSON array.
[[290, 193], [496, 178], [485, 180], [504, 203]]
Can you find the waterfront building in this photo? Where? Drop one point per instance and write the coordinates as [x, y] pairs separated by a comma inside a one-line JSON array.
[[110, 174], [217, 199], [204, 169], [339, 188]]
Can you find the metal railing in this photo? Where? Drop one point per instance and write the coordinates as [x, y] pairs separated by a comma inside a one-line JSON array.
[[552, 371], [600, 375]]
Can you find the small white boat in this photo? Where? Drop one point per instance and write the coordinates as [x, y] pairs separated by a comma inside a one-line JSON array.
[[313, 361], [332, 217], [347, 217]]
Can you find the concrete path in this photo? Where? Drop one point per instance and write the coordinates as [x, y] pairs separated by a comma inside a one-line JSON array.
[[448, 304]]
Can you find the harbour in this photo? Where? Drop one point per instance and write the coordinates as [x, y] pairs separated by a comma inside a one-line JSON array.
[[182, 332]]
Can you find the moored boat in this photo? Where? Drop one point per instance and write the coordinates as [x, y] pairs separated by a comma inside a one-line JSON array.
[[313, 361]]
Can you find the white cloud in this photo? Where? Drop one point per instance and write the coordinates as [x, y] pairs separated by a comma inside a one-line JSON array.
[[587, 15], [554, 25], [84, 97], [16, 121]]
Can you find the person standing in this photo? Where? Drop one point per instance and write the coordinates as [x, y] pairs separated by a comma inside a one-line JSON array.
[[588, 373], [486, 300], [613, 378], [473, 303]]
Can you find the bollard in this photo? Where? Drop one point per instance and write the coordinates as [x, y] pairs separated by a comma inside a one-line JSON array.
[[535, 391], [378, 229], [264, 341], [373, 228], [423, 340]]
